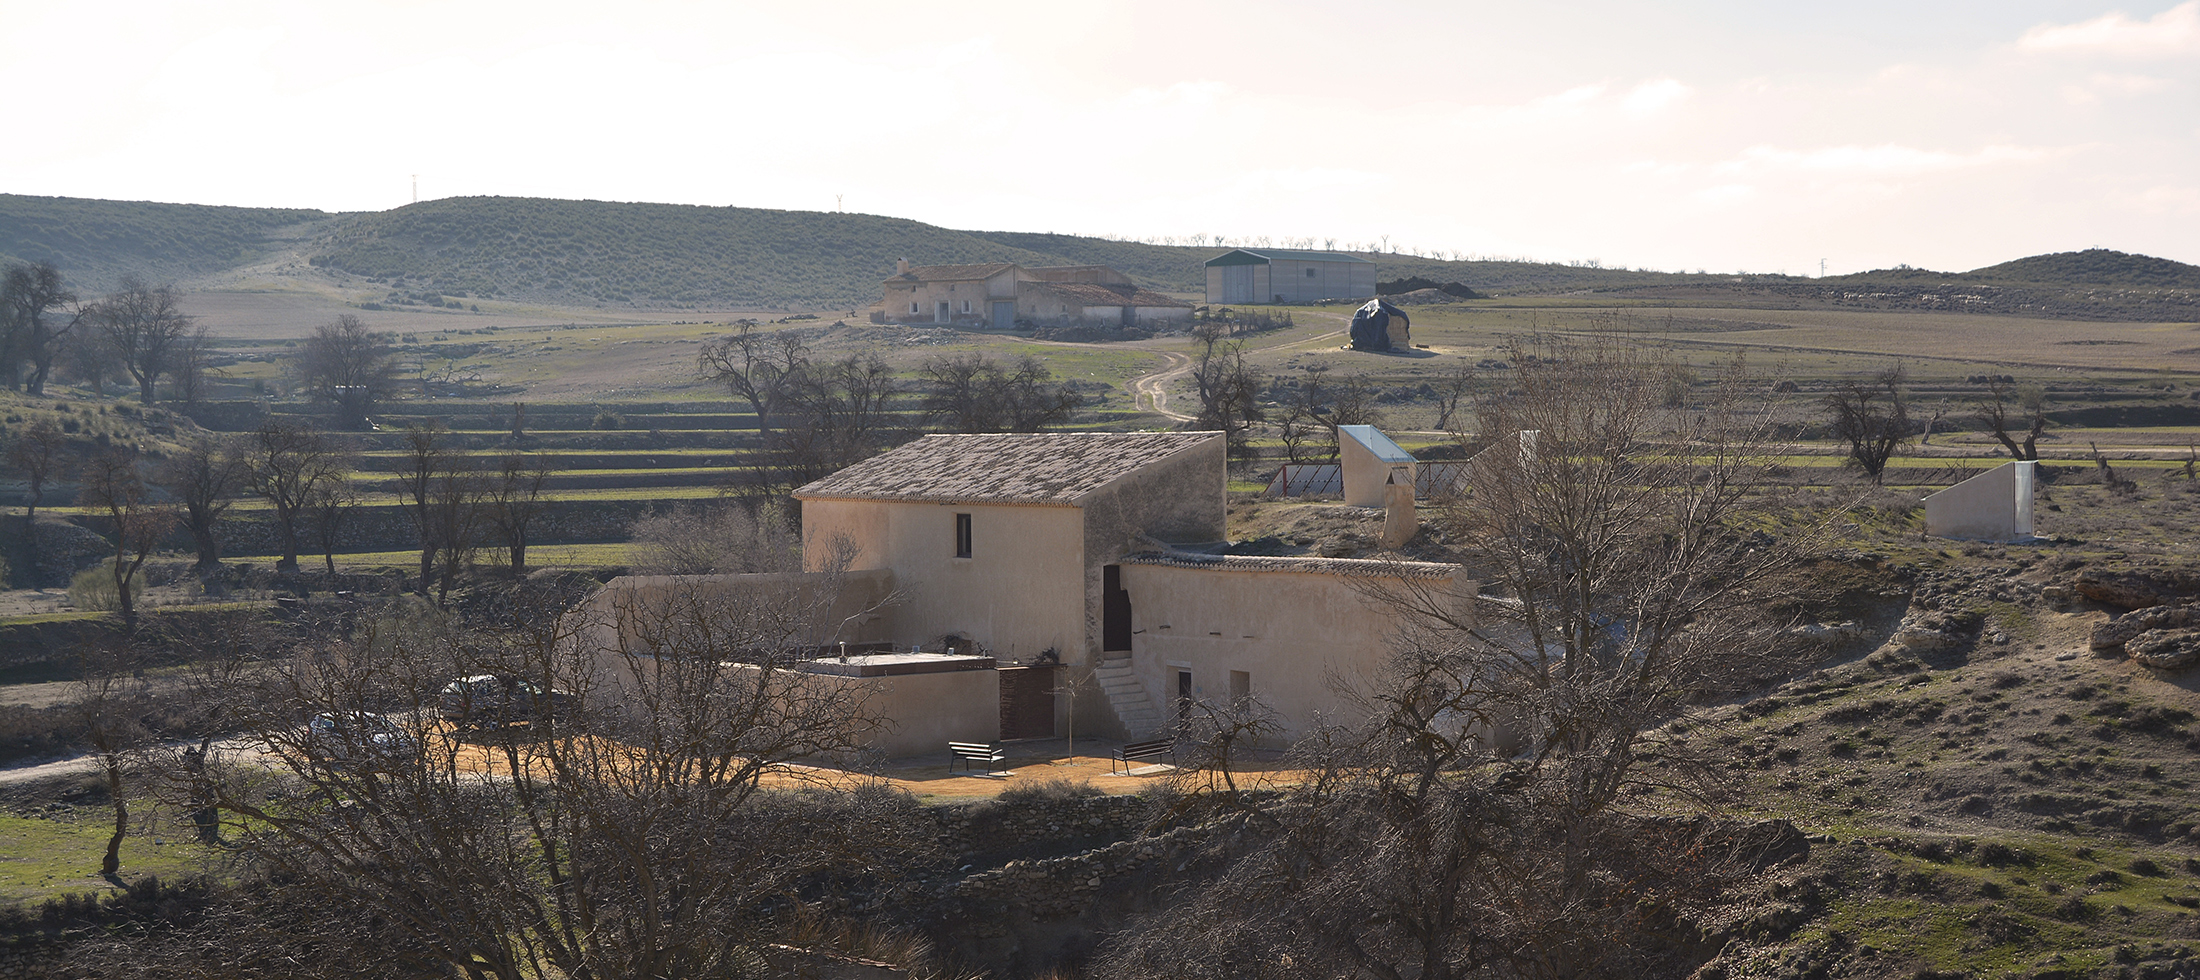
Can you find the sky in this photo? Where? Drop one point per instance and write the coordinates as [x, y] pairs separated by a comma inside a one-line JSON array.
[[1722, 135]]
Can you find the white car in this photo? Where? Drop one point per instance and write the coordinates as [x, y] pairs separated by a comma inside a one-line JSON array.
[[353, 737]]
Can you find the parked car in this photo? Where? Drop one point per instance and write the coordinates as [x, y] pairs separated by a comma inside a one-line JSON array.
[[357, 738], [497, 700]]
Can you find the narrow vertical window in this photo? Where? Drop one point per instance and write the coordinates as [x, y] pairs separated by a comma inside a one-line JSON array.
[[962, 535]]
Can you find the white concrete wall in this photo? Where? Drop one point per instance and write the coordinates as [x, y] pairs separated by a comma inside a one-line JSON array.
[[1365, 474], [918, 714], [1993, 506]]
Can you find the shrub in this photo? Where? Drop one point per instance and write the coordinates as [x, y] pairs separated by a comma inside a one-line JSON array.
[[93, 589], [1057, 788], [607, 421]]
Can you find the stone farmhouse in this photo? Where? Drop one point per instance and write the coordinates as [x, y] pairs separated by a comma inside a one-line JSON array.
[[1092, 556], [1000, 586], [1003, 295]]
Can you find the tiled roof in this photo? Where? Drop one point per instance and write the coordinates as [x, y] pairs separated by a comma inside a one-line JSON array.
[[1057, 468], [1073, 273], [1350, 567], [1106, 294], [950, 273]]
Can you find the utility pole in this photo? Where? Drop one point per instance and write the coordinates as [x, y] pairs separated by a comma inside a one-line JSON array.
[[1821, 268], [416, 188]]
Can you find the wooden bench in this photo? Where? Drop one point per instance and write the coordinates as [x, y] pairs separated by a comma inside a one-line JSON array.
[[1141, 752], [972, 753]]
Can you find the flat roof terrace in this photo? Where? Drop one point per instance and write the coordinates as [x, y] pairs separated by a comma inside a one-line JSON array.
[[896, 664]]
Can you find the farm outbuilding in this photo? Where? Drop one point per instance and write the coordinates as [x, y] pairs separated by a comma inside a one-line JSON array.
[[1003, 295], [1283, 275]]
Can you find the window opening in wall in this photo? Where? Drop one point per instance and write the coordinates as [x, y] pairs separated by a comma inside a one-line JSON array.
[[1309, 273], [962, 535], [966, 306], [1241, 686], [912, 306]]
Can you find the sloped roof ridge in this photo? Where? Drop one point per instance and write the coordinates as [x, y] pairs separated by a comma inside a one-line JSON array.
[[1048, 468]]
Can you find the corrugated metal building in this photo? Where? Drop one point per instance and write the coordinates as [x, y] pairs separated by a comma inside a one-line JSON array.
[[1285, 275]]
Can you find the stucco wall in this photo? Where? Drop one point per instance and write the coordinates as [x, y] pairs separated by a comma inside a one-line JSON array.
[[1018, 594], [1993, 506], [927, 296], [1365, 474], [921, 713], [1289, 631]]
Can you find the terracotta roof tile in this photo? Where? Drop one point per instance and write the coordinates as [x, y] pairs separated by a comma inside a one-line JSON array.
[[950, 273], [1057, 468]]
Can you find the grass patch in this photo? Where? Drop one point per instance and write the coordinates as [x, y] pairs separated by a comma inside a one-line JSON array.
[[59, 853]]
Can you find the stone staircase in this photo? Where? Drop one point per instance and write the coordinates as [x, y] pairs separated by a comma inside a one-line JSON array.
[[1141, 718]]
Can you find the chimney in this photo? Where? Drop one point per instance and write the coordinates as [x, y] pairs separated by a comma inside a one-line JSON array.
[[1400, 523], [901, 268]]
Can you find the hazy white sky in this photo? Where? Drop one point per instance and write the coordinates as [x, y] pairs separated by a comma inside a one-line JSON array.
[[1718, 134]]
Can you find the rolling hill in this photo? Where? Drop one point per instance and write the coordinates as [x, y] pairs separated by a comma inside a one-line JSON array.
[[97, 242], [601, 254]]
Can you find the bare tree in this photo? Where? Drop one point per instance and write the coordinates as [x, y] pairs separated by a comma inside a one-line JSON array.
[[289, 462], [1492, 815], [40, 450], [1452, 392], [2006, 408], [147, 329], [330, 505], [425, 458], [1229, 391], [1351, 403], [838, 415], [1304, 423], [454, 519], [29, 333], [348, 364], [205, 478], [721, 540], [110, 703], [639, 842], [112, 484], [1872, 415], [973, 393], [514, 500], [761, 369]]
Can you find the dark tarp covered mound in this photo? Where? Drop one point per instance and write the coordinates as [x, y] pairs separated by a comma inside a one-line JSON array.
[[1371, 324]]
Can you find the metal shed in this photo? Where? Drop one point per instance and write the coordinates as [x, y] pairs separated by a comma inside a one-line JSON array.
[[1284, 275]]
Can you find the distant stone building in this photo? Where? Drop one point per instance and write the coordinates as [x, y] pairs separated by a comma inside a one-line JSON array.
[[1287, 275], [1003, 295]]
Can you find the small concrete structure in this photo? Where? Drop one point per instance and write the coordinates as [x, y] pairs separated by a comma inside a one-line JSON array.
[[922, 700], [1993, 506], [1371, 461]]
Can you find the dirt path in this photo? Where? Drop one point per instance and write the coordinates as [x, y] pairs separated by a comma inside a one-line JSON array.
[[1151, 391]]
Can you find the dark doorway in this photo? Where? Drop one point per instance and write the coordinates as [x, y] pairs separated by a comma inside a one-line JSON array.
[[1027, 701], [1183, 696], [1115, 611]]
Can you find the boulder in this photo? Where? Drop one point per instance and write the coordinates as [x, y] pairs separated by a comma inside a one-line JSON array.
[[2174, 649], [2117, 633], [2139, 589]]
